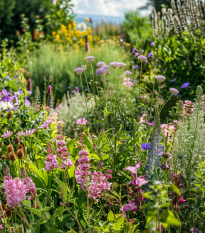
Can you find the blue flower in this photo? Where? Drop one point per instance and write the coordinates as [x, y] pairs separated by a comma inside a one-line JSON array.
[[185, 85], [172, 80], [86, 89], [136, 67], [163, 70], [145, 146], [68, 87], [158, 64]]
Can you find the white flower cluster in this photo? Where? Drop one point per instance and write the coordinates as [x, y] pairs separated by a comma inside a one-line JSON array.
[[5, 105]]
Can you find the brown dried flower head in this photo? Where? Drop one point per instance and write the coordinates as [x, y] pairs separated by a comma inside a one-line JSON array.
[[4, 157], [12, 156], [10, 148], [20, 153]]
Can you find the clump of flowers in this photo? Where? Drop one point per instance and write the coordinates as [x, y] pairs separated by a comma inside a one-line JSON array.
[[94, 183], [127, 82], [142, 58], [188, 108], [136, 191]]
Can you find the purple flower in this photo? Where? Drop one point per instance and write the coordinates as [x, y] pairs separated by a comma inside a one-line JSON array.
[[27, 102], [49, 90], [151, 123], [90, 59], [142, 51], [172, 80], [121, 64], [194, 229], [127, 207], [152, 44], [86, 89], [7, 134], [142, 58], [145, 146], [100, 71], [185, 85], [127, 73], [133, 50], [100, 64], [150, 55], [114, 64], [73, 92], [68, 87], [132, 62], [173, 91], [81, 121], [163, 70], [136, 67], [6, 96], [136, 54], [79, 70], [77, 89]]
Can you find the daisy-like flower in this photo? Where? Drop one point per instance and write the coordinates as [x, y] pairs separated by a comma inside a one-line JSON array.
[[90, 59], [142, 58], [114, 64], [160, 78], [174, 91], [79, 70], [81, 121], [7, 134]]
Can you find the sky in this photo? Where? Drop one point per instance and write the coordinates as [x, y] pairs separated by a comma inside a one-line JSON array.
[[107, 7]]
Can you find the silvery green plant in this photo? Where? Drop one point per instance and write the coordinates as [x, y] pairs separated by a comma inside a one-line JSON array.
[[189, 147], [72, 108]]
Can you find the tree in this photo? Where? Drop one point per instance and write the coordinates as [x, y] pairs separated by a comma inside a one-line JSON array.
[[158, 4]]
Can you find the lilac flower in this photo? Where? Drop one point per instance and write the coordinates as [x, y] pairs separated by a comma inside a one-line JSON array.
[[132, 62], [77, 89], [145, 146], [121, 64], [100, 71], [173, 91], [152, 44], [73, 92], [136, 67], [100, 64], [160, 78], [6, 96], [7, 134], [79, 70], [185, 85], [114, 64], [27, 102], [150, 55], [142, 51], [136, 54], [142, 58], [105, 67], [45, 126], [81, 121], [127, 73], [90, 59]]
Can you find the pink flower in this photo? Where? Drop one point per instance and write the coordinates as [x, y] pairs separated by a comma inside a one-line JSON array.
[[139, 181], [127, 207], [7, 134], [47, 107], [133, 169], [38, 106], [182, 200], [60, 122], [1, 226], [81, 121]]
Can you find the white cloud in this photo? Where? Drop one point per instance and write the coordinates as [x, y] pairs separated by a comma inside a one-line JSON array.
[[106, 7]]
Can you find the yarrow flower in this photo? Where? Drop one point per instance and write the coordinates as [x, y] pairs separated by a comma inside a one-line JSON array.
[[142, 58], [185, 85], [81, 121], [114, 64], [160, 78], [121, 64], [90, 59], [127, 73], [7, 134], [100, 64], [79, 70], [173, 91]]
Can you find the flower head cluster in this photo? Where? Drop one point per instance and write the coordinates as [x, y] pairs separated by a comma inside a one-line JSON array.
[[100, 64], [142, 58], [114, 64], [127, 73], [5, 105], [101, 71], [7, 134], [169, 131], [90, 59], [174, 91], [79, 70], [46, 124], [160, 78], [127, 82], [121, 65], [177, 199], [136, 192], [188, 108], [31, 188]]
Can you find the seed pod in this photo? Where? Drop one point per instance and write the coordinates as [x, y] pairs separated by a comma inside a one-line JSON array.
[[10, 148], [8, 213], [20, 153], [12, 156], [17, 140]]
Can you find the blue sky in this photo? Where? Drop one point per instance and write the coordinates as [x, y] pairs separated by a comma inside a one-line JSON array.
[[106, 7]]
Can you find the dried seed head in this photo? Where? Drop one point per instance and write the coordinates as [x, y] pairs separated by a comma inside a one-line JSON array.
[[10, 148], [17, 140], [12, 156], [20, 153], [21, 147], [8, 213]]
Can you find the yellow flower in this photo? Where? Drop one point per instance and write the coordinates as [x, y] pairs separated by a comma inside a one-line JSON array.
[[86, 19], [69, 26], [127, 44], [89, 30], [74, 24]]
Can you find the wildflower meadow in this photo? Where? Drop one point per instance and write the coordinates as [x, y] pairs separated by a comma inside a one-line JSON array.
[[102, 128]]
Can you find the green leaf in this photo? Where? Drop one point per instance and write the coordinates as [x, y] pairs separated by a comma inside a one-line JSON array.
[[175, 189], [110, 216], [70, 224], [168, 217], [87, 142], [148, 205], [4, 74]]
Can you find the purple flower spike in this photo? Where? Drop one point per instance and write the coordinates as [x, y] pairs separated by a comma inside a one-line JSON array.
[[49, 90], [185, 85], [29, 85]]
